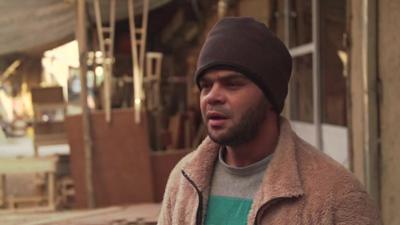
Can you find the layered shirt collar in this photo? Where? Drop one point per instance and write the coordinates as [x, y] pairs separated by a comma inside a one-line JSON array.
[[281, 180]]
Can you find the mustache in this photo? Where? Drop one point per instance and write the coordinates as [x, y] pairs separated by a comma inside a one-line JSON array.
[[220, 109]]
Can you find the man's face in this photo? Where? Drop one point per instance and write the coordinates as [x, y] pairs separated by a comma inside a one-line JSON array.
[[232, 106]]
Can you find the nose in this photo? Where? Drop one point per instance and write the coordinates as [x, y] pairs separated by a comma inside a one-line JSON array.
[[215, 95]]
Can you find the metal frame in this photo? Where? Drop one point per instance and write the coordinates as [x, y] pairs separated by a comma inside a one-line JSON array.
[[316, 74], [302, 50], [314, 49]]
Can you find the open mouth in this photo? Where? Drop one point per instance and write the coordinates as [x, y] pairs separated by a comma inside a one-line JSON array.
[[216, 119]]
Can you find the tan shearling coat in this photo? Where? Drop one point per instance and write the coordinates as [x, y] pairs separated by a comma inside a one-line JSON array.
[[301, 186]]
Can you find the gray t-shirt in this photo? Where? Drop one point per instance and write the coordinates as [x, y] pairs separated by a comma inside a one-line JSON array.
[[232, 191]]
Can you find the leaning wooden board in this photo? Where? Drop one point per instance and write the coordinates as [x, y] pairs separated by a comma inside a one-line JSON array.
[[121, 215]]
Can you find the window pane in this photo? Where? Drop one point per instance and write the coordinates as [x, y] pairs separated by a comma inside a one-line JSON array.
[[333, 57], [301, 22], [300, 19], [301, 95]]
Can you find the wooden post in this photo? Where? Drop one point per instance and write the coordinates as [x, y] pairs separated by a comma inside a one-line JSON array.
[[370, 94], [51, 189], [82, 44], [152, 82], [3, 189]]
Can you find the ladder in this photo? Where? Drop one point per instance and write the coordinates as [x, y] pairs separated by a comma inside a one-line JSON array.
[[106, 43], [138, 43]]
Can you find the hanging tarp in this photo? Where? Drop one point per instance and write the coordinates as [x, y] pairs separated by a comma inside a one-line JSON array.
[[45, 24]]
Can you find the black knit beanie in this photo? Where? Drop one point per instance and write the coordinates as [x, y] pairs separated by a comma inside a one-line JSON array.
[[249, 47]]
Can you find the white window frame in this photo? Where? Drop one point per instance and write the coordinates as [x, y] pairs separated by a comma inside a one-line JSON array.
[[331, 139]]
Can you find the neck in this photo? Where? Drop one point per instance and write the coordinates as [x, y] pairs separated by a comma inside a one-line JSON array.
[[261, 146]]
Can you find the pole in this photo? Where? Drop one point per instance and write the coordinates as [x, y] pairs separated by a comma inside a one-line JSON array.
[[81, 37], [316, 75], [370, 97]]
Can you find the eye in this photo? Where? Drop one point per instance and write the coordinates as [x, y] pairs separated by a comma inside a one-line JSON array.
[[234, 84], [203, 84]]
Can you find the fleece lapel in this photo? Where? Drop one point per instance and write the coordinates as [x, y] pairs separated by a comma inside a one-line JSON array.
[[200, 167], [282, 178]]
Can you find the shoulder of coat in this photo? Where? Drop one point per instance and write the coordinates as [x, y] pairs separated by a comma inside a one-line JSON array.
[[320, 169]]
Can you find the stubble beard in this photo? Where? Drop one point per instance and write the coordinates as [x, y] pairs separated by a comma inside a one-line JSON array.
[[246, 129]]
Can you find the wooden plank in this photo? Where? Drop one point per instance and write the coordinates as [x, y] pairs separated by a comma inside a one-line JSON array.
[[176, 127], [49, 128], [17, 200], [34, 210], [51, 190], [48, 106], [51, 139], [123, 167], [43, 217], [146, 213], [3, 190], [47, 95], [13, 203], [27, 165]]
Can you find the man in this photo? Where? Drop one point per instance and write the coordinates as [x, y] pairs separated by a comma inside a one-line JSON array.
[[252, 168]]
